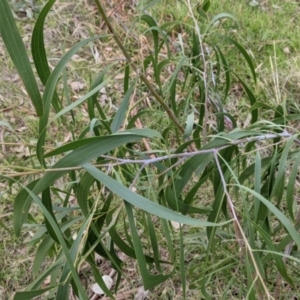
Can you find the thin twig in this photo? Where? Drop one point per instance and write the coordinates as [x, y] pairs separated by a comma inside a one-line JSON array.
[[142, 76], [121, 161], [239, 233]]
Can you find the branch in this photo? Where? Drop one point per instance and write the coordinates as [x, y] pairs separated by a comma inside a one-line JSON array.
[[142, 76]]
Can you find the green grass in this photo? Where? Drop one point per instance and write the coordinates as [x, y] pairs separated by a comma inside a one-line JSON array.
[[269, 32]]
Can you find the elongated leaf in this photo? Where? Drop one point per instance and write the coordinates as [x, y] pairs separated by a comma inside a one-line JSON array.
[[76, 158], [46, 245], [20, 208], [249, 171], [291, 186], [61, 239], [74, 252], [177, 70], [206, 5], [18, 54], [252, 99], [39, 52], [196, 51], [152, 24], [226, 70], [131, 122], [41, 252], [141, 202], [79, 101], [154, 242], [46, 200], [49, 92], [218, 204], [28, 295], [83, 190], [37, 44], [51, 270], [257, 183], [121, 113], [217, 18], [244, 53], [196, 163], [279, 215], [150, 281], [253, 245], [278, 260], [280, 177]]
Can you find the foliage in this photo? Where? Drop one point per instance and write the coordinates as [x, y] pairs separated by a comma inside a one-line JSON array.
[[127, 193]]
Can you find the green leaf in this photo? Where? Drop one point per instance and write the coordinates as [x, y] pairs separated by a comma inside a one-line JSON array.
[[217, 18], [252, 99], [75, 253], [244, 53], [152, 24], [126, 78], [121, 113], [53, 223], [39, 53], [83, 190], [21, 207], [149, 281], [196, 163], [257, 183], [154, 243], [92, 101], [165, 38], [291, 187], [280, 266], [226, 70], [18, 54], [278, 214], [76, 158], [46, 245], [206, 5], [79, 101], [142, 202], [37, 44], [50, 90], [280, 177], [28, 295], [50, 271]]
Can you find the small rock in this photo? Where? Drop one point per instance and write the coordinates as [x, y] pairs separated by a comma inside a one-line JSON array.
[[108, 282]]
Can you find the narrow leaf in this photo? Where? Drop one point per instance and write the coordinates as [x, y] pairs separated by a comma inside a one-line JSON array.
[[18, 54], [142, 202], [121, 113], [291, 187]]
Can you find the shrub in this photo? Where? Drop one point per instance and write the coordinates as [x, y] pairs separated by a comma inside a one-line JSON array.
[[197, 168]]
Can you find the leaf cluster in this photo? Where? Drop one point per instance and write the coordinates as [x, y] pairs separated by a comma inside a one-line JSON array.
[[215, 180]]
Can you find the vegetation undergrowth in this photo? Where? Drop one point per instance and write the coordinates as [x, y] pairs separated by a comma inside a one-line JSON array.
[[151, 166]]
